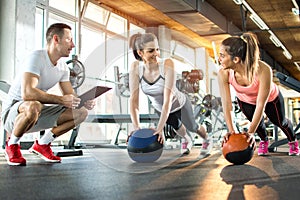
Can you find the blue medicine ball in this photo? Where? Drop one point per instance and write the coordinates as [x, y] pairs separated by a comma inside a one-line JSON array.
[[143, 146]]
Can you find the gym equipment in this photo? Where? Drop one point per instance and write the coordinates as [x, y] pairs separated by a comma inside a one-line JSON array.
[[209, 112], [77, 77], [143, 146], [120, 118], [288, 81], [4, 88], [77, 72], [295, 85], [237, 150], [122, 83], [115, 118], [189, 82], [207, 108]]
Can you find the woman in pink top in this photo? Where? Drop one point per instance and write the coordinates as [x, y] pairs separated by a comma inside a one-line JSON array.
[[255, 90]]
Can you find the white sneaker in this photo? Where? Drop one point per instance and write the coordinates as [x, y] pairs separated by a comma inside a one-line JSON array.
[[186, 146], [206, 148]]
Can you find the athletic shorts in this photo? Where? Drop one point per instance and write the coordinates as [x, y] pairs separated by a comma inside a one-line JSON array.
[[47, 119]]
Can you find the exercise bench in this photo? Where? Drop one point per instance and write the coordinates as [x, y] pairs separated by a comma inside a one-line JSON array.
[[113, 118]]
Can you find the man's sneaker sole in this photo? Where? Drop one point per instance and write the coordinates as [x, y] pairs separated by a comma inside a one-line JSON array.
[[42, 156], [13, 163]]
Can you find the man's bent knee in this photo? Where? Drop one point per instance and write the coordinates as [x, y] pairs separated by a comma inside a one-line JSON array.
[[31, 106], [83, 113], [31, 109], [78, 115]]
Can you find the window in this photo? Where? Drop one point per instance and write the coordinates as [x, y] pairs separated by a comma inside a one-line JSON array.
[[90, 40], [96, 14], [117, 25], [183, 57], [67, 6], [39, 28]]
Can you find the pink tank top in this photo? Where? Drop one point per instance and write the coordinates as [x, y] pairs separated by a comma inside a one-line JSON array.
[[249, 93]]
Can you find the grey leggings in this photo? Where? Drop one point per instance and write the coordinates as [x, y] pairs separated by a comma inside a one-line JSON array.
[[183, 116]]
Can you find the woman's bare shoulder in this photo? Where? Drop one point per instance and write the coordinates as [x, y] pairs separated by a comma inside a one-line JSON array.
[[134, 69], [135, 65], [263, 67], [223, 74], [168, 61]]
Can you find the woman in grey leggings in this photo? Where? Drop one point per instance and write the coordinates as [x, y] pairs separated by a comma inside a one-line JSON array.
[[157, 79]]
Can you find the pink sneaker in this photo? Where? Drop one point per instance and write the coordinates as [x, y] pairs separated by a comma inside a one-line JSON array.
[[44, 151], [263, 148], [186, 146], [294, 148], [206, 148], [13, 155]]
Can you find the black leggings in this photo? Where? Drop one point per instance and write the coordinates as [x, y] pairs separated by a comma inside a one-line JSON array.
[[275, 112]]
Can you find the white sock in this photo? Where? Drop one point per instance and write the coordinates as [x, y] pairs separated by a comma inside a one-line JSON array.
[[13, 140], [47, 138], [187, 138]]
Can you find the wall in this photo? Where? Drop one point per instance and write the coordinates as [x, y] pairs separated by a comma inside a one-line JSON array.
[[17, 19], [7, 39]]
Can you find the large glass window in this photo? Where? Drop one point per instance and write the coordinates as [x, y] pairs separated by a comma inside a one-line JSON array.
[[183, 57], [39, 28], [90, 40], [96, 14], [67, 6], [117, 24]]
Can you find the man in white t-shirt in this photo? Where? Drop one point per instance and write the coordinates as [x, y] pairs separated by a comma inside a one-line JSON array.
[[29, 108]]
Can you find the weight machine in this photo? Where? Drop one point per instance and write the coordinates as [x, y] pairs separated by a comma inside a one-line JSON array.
[[77, 77], [207, 108]]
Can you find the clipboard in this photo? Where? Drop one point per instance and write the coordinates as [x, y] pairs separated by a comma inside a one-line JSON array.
[[92, 94]]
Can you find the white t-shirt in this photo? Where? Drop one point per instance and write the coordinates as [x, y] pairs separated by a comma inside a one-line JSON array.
[[38, 62]]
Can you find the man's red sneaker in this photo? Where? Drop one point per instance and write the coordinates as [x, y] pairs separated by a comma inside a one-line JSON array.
[[13, 155], [44, 151]]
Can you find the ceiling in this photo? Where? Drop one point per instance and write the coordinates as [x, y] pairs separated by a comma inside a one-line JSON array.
[[198, 23]]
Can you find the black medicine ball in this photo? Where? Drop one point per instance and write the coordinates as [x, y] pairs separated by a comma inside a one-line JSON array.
[[237, 150]]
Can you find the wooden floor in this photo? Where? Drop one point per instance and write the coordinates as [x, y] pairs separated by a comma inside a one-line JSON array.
[[108, 173]]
